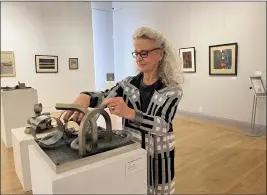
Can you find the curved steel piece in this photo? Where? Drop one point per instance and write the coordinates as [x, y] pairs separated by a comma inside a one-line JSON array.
[[74, 107], [37, 109], [70, 131], [45, 124], [126, 137], [90, 119], [51, 138]]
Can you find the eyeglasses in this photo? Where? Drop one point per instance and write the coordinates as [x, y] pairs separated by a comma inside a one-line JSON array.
[[143, 54]]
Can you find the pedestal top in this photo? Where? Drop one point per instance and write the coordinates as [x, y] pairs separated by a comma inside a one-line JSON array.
[[22, 136], [17, 90], [124, 156]]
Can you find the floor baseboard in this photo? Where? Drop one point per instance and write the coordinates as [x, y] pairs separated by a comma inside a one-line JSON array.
[[222, 121]]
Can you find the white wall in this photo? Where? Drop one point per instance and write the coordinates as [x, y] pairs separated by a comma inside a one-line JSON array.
[[103, 41], [65, 29], [126, 18], [200, 24], [50, 28]]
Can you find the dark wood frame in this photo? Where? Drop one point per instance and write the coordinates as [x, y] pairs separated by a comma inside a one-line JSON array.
[[113, 75], [77, 64], [194, 65], [46, 56], [236, 60]]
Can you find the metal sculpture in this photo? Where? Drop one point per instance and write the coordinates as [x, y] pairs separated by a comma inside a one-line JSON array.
[[42, 120], [18, 86], [88, 140]]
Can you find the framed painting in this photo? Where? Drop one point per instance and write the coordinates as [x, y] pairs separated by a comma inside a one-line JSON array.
[[73, 63], [46, 64], [110, 77], [188, 57], [8, 64], [223, 59]]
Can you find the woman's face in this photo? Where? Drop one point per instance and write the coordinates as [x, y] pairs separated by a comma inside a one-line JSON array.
[[147, 55]]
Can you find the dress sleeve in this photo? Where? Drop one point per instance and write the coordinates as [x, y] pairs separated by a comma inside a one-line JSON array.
[[98, 96], [160, 123]]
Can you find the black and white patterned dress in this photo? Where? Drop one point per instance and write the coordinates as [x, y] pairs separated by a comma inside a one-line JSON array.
[[152, 126]]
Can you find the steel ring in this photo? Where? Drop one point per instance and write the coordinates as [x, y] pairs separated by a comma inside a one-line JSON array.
[[51, 138], [90, 117], [38, 108]]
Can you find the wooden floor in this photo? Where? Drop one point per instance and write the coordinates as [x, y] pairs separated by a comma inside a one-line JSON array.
[[210, 159]]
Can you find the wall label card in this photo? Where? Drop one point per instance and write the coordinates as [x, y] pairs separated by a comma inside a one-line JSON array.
[[134, 165], [257, 86]]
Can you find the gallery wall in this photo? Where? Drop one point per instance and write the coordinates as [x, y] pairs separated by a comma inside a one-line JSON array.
[[102, 22], [199, 25], [49, 28]]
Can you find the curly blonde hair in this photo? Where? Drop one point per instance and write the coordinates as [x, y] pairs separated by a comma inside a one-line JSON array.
[[170, 67]]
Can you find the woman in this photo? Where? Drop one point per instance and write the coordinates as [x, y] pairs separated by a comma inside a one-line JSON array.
[[147, 104]]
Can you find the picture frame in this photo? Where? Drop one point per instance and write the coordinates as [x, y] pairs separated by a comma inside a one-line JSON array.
[[110, 77], [257, 86], [223, 59], [8, 64], [73, 63], [46, 64], [188, 57]]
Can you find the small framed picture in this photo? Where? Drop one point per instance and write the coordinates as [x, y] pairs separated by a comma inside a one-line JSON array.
[[73, 63], [8, 64], [46, 64], [223, 59], [188, 57], [110, 77], [257, 86]]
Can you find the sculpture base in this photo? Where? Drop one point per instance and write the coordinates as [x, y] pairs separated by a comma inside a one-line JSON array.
[[66, 154], [64, 158], [124, 173]]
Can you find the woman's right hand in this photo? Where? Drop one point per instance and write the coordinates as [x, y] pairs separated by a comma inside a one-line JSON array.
[[82, 100]]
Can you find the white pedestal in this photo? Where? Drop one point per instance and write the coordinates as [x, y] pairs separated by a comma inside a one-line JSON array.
[[121, 174], [16, 108], [21, 141]]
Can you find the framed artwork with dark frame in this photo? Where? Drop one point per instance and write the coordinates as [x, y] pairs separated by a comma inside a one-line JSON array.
[[46, 64], [8, 64], [223, 59], [188, 57], [110, 77], [73, 63]]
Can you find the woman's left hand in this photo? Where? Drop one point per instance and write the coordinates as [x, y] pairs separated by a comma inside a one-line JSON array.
[[118, 107]]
